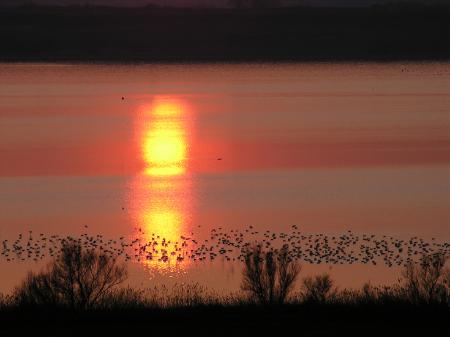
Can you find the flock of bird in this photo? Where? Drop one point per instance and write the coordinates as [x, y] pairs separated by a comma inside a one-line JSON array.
[[233, 245]]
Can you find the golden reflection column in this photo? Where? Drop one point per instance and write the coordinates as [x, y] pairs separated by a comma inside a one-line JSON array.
[[161, 194]]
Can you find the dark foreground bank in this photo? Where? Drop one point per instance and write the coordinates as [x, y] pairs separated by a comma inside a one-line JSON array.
[[78, 294], [287, 320], [200, 35]]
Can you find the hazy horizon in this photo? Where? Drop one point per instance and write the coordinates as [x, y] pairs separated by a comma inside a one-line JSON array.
[[212, 3]]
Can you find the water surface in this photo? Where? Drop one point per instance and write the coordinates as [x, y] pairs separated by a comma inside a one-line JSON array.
[[178, 150]]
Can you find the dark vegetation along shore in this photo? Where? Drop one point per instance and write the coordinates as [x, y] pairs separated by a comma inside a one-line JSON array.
[[82, 293], [85, 34]]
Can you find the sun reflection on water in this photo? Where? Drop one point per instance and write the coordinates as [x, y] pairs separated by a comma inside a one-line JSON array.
[[164, 147], [161, 193]]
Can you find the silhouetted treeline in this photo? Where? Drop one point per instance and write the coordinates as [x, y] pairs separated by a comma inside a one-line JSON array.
[[394, 32], [79, 294]]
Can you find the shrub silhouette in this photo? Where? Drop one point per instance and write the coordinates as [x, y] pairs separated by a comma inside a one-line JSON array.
[[318, 289], [5, 301], [269, 276], [427, 282], [79, 279]]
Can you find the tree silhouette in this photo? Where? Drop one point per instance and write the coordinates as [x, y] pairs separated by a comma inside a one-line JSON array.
[[428, 281], [269, 276], [79, 279], [318, 289]]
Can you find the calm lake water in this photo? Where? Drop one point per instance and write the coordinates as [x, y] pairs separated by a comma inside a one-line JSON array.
[[179, 150]]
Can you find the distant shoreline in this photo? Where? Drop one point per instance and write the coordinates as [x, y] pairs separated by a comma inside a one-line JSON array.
[[158, 35]]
